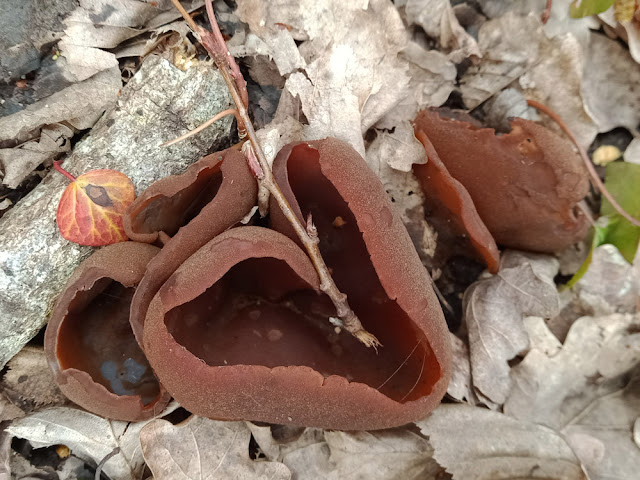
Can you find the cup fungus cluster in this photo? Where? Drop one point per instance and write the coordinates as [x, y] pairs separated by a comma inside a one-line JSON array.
[[231, 318], [521, 189]]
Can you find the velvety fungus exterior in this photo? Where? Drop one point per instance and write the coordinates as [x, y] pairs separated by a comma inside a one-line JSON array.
[[89, 342], [239, 331], [526, 185], [447, 198], [184, 212]]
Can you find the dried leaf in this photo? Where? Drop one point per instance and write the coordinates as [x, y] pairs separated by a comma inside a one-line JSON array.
[[348, 84], [80, 105], [388, 454], [97, 25], [609, 85], [403, 187], [493, 312], [478, 444], [91, 208], [88, 436], [29, 381], [506, 105], [303, 450], [17, 163], [5, 452], [606, 423], [596, 355], [431, 80], [437, 19], [548, 70], [460, 386], [632, 153], [200, 448]]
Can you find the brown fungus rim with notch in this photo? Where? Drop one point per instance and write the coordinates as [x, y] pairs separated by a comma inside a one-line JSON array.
[[123, 263], [232, 201], [436, 181], [526, 185]]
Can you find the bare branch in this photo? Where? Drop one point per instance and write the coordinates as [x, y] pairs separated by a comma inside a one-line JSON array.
[[217, 48]]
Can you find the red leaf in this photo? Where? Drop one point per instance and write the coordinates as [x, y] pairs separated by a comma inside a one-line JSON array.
[[91, 208]]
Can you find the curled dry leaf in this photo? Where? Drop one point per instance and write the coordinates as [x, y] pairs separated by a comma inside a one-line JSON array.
[[478, 444], [28, 381], [200, 449], [347, 84], [88, 436], [493, 312], [17, 163], [91, 208]]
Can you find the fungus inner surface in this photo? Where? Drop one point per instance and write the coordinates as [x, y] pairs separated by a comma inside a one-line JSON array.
[[169, 213], [261, 313], [95, 337]]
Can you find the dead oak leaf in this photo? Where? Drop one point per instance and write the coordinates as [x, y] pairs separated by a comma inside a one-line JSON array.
[[88, 436], [474, 443], [200, 448], [493, 312], [91, 209]]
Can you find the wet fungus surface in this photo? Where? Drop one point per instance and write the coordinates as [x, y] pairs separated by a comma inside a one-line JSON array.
[[240, 330], [89, 342], [526, 185]]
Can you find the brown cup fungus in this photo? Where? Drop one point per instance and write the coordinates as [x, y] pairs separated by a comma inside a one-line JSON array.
[[89, 342], [240, 330], [525, 185], [184, 212]]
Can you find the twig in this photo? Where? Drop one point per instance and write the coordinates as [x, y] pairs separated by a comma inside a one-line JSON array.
[[211, 121], [217, 48], [546, 13], [100, 466], [585, 158]]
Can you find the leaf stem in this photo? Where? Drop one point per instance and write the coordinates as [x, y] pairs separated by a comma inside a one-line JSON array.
[[217, 48], [56, 165], [595, 178]]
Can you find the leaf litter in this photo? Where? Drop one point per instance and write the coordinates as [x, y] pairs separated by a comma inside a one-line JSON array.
[[563, 385]]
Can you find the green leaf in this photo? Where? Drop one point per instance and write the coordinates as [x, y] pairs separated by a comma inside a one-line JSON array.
[[598, 233], [585, 8], [623, 181]]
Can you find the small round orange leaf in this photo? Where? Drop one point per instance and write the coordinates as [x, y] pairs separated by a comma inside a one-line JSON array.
[[91, 208]]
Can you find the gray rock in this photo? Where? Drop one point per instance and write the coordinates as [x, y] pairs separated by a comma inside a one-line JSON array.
[[158, 104], [26, 27]]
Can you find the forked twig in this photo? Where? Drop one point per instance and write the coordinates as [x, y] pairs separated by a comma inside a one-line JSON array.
[[217, 48], [595, 179]]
